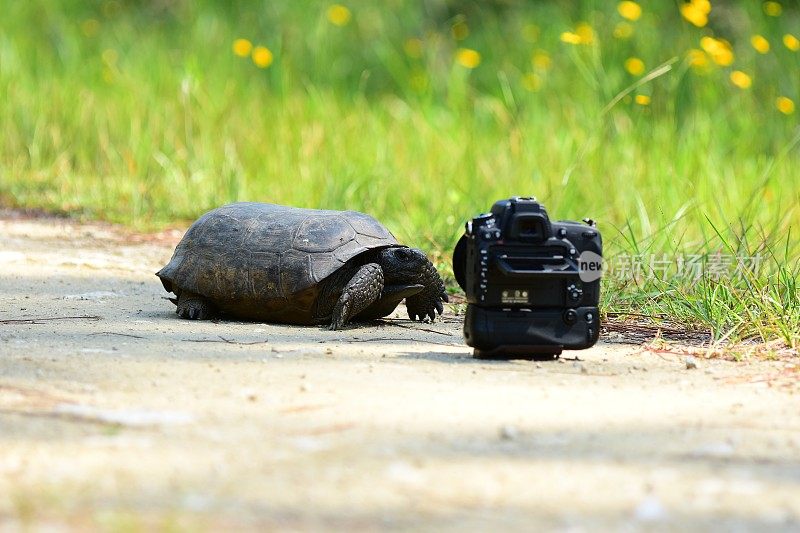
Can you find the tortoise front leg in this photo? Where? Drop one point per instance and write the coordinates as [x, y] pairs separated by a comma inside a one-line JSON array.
[[428, 301], [362, 290], [390, 298]]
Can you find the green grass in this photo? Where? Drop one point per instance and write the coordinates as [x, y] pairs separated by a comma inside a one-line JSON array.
[[140, 113]]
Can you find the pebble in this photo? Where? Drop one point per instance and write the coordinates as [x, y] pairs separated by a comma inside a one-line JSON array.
[[249, 394], [691, 363], [508, 432]]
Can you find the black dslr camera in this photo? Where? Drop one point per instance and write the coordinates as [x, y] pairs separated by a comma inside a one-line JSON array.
[[532, 285]]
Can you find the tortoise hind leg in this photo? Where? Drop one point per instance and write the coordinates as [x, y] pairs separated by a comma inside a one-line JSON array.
[[194, 307]]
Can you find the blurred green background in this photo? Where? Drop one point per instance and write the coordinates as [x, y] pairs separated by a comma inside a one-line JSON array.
[[672, 123]]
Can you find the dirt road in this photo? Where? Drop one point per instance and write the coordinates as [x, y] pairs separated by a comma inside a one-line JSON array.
[[115, 414]]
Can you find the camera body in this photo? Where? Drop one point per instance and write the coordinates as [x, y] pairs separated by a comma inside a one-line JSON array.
[[532, 285]]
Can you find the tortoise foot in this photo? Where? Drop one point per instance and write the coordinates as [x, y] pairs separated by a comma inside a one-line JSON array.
[[194, 307]]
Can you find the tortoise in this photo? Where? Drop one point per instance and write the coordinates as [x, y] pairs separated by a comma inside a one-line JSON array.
[[273, 263]]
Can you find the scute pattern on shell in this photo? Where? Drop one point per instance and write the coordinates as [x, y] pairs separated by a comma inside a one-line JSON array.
[[268, 256]]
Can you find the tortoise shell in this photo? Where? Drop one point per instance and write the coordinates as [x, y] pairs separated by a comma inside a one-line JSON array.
[[266, 261]]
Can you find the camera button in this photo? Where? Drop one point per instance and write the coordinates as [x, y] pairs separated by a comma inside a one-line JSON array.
[[589, 317], [574, 292], [570, 316], [562, 232]]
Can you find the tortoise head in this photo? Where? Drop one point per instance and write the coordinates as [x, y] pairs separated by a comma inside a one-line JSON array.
[[402, 264], [409, 265]]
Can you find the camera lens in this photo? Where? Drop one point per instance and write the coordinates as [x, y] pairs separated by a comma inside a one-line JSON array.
[[570, 316]]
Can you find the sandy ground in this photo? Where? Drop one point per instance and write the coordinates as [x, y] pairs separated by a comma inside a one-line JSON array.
[[115, 414]]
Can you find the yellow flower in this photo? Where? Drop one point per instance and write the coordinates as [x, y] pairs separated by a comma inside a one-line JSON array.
[[339, 15], [773, 9], [741, 80], [541, 60], [629, 10], [723, 57], [785, 105], [791, 42], [760, 44], [585, 32], [413, 47], [696, 12], [532, 82], [719, 50], [623, 30], [697, 58], [262, 56], [468, 58], [242, 47], [634, 66], [642, 99], [460, 30], [702, 5]]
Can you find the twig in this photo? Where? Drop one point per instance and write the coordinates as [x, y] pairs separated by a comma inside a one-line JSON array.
[[641, 315], [443, 319], [301, 408], [52, 414], [119, 334], [644, 328], [37, 320], [226, 341], [415, 328]]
